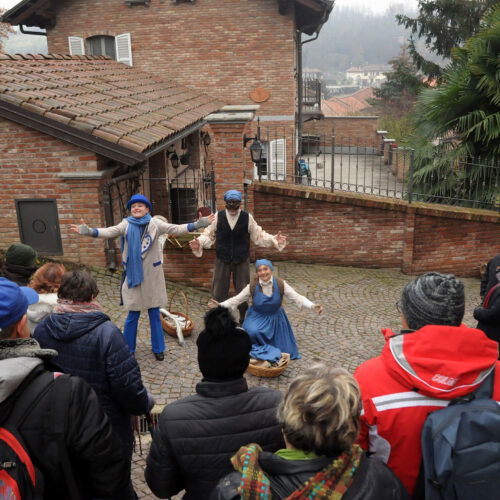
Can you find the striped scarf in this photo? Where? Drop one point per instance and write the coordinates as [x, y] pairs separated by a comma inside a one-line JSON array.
[[329, 483]]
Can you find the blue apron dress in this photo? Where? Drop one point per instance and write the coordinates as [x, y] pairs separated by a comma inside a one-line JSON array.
[[268, 327]]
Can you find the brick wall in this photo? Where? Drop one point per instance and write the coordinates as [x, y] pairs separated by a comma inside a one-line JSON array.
[[364, 231], [181, 265], [30, 163], [228, 47], [347, 129]]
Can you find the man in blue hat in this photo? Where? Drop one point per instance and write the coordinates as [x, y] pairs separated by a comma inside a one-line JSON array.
[[231, 232], [144, 284], [33, 403]]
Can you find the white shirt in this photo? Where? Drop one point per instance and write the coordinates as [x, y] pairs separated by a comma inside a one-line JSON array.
[[258, 236], [267, 289]]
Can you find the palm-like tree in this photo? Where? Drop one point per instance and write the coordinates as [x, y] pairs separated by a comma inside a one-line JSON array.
[[458, 124]]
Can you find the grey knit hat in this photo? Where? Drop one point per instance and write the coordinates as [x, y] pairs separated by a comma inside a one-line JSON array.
[[433, 299]]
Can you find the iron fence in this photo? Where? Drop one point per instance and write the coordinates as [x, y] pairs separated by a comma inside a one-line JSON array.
[[378, 167]]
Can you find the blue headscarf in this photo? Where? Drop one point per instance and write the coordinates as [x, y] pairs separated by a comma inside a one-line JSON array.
[[232, 194], [135, 275], [263, 262]]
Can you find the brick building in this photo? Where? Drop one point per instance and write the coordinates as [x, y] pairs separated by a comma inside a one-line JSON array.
[[242, 51], [79, 135]]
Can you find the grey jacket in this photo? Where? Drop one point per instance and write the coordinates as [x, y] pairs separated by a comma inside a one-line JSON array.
[[152, 291]]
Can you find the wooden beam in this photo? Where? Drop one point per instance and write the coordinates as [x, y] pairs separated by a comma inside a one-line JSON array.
[[311, 4], [34, 8]]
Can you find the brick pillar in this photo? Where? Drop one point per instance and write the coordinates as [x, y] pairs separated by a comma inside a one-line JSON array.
[[408, 241], [227, 128]]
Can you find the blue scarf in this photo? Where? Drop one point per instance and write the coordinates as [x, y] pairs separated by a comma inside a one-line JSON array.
[[135, 275]]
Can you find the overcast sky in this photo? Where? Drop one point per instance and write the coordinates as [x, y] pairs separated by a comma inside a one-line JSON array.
[[373, 5], [376, 6]]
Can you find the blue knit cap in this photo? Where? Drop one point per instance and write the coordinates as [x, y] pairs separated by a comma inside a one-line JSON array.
[[139, 198], [14, 301], [263, 262], [232, 194]]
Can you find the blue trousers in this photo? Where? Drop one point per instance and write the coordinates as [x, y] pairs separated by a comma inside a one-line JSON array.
[[130, 330]]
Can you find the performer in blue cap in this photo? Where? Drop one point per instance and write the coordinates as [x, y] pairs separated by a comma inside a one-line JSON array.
[[266, 321], [144, 283], [231, 232]]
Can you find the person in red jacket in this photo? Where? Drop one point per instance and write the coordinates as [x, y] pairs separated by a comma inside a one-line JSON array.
[[434, 359]]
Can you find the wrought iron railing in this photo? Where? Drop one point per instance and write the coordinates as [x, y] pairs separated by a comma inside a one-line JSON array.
[[311, 93], [381, 168]]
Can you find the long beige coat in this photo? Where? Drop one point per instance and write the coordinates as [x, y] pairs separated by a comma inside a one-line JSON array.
[[152, 291]]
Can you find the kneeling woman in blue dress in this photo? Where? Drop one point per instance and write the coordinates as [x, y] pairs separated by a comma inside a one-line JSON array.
[[266, 321]]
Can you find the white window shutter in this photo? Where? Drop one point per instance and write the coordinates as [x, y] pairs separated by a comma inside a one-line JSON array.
[[277, 160], [76, 46], [123, 48]]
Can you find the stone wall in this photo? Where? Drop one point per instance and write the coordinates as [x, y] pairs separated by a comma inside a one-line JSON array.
[[365, 231], [348, 130], [31, 167]]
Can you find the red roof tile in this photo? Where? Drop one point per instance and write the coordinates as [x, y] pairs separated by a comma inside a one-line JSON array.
[[104, 98]]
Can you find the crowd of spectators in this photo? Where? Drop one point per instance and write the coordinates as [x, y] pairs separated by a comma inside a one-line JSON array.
[[330, 435]]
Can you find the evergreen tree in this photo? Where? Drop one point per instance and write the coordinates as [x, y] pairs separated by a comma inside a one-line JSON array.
[[401, 87], [459, 124], [443, 25]]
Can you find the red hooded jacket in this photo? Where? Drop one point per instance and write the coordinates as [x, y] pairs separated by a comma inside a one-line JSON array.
[[417, 373]]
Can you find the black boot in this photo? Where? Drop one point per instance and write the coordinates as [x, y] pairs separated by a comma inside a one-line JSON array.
[[160, 356]]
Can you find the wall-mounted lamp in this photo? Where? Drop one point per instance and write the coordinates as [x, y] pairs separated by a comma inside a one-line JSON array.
[[207, 140], [174, 159], [257, 148]]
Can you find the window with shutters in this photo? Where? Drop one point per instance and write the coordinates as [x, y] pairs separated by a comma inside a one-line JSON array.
[[276, 160], [117, 47], [102, 46], [273, 163]]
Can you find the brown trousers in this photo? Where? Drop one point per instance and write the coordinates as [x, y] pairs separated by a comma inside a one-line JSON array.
[[222, 281]]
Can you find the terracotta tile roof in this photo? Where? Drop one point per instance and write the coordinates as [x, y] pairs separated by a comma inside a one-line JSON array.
[[334, 107], [347, 105], [103, 98]]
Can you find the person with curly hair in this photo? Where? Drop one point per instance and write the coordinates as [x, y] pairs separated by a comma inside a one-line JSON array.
[[45, 282], [319, 419]]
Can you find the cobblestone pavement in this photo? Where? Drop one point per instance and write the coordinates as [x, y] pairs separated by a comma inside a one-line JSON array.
[[358, 302]]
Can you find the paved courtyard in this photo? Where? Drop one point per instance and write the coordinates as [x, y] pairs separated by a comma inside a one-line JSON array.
[[357, 303]]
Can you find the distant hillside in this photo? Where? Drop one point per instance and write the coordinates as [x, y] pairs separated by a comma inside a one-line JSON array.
[[355, 38]]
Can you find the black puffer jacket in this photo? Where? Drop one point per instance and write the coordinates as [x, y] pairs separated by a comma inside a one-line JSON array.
[[97, 461], [489, 317], [489, 278], [91, 346], [372, 481], [196, 436]]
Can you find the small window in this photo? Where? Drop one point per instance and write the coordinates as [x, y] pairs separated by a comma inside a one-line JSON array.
[[118, 48], [101, 46]]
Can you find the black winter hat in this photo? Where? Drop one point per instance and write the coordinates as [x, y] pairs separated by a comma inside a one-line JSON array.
[[223, 347], [20, 254], [433, 299]]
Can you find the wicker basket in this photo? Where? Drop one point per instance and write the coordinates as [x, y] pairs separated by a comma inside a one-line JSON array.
[[272, 371], [169, 327]]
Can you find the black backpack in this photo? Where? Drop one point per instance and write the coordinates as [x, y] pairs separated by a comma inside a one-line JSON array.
[[19, 477], [461, 448]]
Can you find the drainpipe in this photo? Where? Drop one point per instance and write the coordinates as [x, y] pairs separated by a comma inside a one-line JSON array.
[[300, 43], [109, 220]]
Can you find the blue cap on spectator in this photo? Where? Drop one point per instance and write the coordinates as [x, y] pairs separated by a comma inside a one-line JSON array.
[[14, 301], [232, 194], [139, 198]]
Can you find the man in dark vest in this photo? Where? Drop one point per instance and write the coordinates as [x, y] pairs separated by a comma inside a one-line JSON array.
[[231, 231]]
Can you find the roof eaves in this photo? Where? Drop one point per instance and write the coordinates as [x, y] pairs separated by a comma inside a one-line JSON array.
[[69, 134]]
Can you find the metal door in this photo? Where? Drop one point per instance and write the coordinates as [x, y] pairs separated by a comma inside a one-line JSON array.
[[39, 225]]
